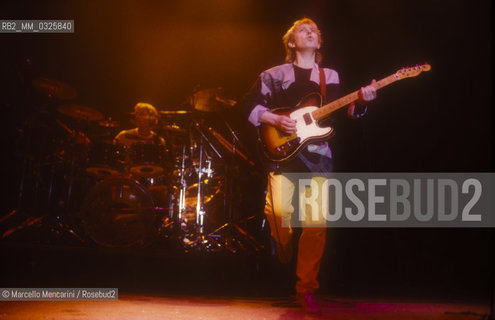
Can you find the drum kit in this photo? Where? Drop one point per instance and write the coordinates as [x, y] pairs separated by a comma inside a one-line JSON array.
[[80, 182]]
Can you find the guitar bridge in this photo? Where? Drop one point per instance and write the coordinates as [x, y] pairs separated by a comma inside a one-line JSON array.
[[287, 147]]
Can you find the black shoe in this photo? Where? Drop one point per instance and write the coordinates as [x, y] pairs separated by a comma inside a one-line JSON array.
[[308, 302]]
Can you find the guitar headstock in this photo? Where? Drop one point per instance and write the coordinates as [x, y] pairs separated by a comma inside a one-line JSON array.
[[410, 72]]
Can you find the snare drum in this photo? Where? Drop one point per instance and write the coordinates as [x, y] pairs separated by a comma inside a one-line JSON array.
[[104, 160], [146, 159]]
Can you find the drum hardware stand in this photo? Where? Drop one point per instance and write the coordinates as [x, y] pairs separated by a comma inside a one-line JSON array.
[[182, 189], [198, 126], [73, 133], [54, 223], [69, 188], [200, 212], [183, 185], [20, 194], [233, 233], [202, 241], [27, 162], [199, 203]]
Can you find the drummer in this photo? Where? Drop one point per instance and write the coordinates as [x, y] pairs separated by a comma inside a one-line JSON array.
[[146, 117]]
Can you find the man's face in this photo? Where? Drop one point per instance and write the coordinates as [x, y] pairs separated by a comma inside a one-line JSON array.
[[144, 119], [305, 37]]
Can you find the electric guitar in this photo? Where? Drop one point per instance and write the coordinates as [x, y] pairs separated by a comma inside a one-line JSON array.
[[279, 146]]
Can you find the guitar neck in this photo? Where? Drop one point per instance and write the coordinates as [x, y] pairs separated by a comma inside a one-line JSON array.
[[327, 109]]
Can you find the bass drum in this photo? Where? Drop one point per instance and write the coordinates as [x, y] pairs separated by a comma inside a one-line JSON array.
[[120, 212]]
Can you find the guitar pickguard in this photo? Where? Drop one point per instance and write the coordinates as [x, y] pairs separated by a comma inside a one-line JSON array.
[[280, 146]]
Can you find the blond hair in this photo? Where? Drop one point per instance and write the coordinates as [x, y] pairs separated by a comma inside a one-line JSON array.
[[290, 53], [142, 107]]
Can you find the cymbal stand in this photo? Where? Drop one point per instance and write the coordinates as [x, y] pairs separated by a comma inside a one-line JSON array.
[[30, 169], [229, 193], [26, 162], [183, 185], [200, 213], [198, 126], [74, 155], [200, 242], [49, 219], [234, 235], [69, 188], [58, 221]]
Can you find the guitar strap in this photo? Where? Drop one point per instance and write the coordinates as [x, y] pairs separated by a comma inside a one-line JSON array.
[[323, 85]]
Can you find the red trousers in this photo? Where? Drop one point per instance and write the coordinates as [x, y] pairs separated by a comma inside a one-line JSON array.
[[278, 211]]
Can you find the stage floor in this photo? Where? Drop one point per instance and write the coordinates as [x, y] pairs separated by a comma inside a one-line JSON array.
[[238, 308]]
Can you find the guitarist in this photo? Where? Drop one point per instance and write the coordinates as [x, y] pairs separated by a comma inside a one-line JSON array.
[[286, 85]]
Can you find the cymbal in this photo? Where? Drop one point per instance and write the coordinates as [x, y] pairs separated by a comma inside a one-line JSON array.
[[173, 127], [78, 111], [175, 112], [54, 88], [108, 123], [211, 100]]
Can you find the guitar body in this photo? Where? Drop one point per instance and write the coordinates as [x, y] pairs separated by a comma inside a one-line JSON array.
[[279, 146]]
